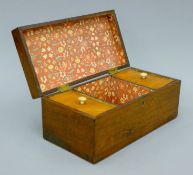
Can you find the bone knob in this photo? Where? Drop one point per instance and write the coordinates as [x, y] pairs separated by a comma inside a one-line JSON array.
[[82, 100], [143, 75]]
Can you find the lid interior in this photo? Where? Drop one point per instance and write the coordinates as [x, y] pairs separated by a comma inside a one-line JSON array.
[[74, 49]]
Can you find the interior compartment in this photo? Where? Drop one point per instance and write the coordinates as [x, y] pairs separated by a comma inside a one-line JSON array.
[[113, 90], [93, 106], [153, 81]]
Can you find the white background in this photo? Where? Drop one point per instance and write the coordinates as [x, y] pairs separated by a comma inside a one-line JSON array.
[[158, 35]]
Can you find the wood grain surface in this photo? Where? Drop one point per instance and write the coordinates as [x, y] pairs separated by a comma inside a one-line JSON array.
[[152, 81], [92, 106], [121, 126]]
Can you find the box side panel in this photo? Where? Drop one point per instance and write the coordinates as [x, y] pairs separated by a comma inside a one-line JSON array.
[[68, 129], [118, 128]]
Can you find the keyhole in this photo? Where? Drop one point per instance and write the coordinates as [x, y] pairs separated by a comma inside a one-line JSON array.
[[142, 103]]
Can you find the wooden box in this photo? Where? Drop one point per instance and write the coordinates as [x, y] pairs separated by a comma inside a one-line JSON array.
[[85, 57]]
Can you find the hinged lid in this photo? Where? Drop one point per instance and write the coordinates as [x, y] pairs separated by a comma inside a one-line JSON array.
[[69, 51]]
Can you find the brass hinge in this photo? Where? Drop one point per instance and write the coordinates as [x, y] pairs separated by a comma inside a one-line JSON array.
[[64, 88], [113, 71]]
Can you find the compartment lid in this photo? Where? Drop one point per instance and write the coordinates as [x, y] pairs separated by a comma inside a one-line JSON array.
[[69, 51]]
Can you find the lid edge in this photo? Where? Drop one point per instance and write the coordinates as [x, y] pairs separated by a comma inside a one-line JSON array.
[[26, 64]]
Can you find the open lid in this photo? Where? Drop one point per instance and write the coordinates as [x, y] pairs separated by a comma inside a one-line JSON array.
[[69, 51]]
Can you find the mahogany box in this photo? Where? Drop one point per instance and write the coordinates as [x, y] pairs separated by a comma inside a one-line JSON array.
[[93, 102]]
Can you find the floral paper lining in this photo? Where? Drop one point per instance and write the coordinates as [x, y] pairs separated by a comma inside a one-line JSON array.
[[113, 90], [65, 52]]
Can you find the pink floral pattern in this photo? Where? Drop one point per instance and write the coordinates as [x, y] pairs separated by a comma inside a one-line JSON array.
[[113, 90], [65, 52]]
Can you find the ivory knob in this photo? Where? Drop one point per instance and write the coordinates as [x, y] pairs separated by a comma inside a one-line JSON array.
[[82, 100], [143, 75]]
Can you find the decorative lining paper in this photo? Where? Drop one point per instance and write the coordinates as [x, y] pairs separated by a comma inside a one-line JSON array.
[[113, 90], [65, 52]]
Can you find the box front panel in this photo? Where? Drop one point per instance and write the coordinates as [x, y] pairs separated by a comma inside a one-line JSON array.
[[122, 126]]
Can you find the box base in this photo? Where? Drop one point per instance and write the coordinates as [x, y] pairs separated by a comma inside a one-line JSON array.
[[113, 150]]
